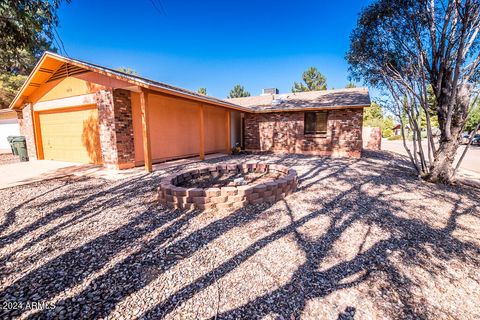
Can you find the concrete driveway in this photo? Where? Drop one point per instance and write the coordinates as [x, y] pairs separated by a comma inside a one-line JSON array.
[[14, 174], [470, 162], [19, 173]]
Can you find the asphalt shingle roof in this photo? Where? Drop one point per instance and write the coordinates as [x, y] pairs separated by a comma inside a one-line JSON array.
[[351, 97]]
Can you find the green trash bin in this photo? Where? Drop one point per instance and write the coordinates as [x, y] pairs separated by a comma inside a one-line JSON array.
[[20, 144], [12, 146]]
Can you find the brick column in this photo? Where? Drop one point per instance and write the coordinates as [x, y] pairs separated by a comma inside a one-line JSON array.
[[124, 128], [116, 128], [25, 120], [372, 138], [252, 132]]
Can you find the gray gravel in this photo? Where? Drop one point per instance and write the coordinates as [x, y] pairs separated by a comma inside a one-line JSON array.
[[360, 239]]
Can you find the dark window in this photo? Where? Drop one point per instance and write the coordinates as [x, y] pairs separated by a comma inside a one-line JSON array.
[[315, 122]]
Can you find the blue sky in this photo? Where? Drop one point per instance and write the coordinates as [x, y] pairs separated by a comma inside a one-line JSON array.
[[214, 44]]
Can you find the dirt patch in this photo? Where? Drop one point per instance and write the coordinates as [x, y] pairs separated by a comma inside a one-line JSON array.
[[227, 179]]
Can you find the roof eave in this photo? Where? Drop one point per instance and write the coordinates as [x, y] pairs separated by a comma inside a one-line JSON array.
[[312, 109], [13, 104], [132, 80]]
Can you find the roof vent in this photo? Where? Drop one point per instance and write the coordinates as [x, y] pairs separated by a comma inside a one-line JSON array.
[[66, 70], [280, 99], [269, 91]]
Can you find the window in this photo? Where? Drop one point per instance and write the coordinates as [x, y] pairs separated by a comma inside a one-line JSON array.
[[316, 122]]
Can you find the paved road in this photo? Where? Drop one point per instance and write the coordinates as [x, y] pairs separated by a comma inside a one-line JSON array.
[[471, 161]]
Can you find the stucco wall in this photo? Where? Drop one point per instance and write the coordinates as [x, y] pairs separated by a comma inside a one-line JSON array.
[[175, 127]]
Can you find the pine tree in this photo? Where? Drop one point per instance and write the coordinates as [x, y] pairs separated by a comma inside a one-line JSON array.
[[238, 91], [313, 79]]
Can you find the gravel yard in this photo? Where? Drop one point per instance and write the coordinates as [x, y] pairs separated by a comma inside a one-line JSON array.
[[360, 239]]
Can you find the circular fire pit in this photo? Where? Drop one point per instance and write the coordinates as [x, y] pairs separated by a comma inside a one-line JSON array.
[[227, 186]]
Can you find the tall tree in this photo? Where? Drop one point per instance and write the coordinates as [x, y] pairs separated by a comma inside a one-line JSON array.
[[313, 79], [373, 115], [9, 85], [406, 45], [387, 126], [202, 91], [238, 91], [473, 117], [27, 28]]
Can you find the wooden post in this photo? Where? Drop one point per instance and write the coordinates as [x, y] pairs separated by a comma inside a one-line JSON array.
[[228, 135], [147, 151], [202, 133]]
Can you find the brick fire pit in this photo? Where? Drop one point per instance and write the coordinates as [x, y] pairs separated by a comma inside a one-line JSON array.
[[174, 196]]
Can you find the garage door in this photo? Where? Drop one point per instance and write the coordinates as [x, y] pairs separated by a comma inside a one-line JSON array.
[[71, 135]]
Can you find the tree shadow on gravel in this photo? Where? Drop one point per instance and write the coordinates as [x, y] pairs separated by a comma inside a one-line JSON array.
[[10, 215], [408, 238], [154, 257], [160, 243], [77, 210], [76, 265]]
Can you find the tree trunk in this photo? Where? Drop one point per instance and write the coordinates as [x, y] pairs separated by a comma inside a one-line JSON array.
[[442, 169]]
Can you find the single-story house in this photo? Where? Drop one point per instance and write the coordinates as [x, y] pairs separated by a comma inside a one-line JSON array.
[[8, 127], [397, 130], [76, 111], [326, 123]]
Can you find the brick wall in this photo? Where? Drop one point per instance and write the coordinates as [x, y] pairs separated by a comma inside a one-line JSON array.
[[284, 132], [372, 138], [124, 126], [116, 128], [229, 197], [25, 121]]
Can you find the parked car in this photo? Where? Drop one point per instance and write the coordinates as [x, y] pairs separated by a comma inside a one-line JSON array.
[[465, 138], [476, 139]]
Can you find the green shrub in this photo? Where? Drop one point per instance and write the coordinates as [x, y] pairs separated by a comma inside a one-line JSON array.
[[395, 138], [387, 132]]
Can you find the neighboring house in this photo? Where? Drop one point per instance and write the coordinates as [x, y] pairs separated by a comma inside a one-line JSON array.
[[397, 130], [8, 127], [76, 111], [327, 123]]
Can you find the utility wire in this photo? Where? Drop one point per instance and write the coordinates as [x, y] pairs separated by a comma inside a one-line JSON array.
[[62, 46], [158, 7], [162, 7]]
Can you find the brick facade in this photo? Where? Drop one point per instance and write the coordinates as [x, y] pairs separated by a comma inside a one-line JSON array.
[[372, 138], [25, 121], [116, 128], [284, 132]]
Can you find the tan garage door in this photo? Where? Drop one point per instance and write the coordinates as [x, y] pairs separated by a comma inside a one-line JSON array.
[[71, 135]]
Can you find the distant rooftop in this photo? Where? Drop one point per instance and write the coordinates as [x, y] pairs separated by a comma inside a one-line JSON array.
[[325, 99]]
